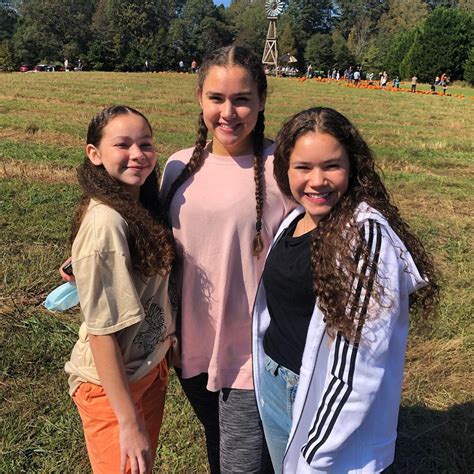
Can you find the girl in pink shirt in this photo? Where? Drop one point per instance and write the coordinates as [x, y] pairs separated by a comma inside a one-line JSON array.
[[224, 207]]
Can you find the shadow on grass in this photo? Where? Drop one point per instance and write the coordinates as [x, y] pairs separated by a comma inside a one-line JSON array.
[[432, 441]]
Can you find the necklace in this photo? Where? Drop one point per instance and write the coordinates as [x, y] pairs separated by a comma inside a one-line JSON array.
[[304, 226]]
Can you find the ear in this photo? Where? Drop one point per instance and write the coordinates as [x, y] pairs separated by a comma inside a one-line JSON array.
[[199, 97], [93, 153]]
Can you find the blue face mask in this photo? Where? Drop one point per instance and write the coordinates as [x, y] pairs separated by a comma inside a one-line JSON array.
[[62, 298]]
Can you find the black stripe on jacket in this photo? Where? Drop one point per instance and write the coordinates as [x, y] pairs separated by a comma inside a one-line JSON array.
[[345, 353]]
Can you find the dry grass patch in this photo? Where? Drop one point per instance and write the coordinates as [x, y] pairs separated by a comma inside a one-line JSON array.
[[435, 374], [414, 205], [34, 133], [38, 172]]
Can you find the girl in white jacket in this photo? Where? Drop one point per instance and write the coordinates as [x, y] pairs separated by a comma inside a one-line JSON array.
[[331, 312]]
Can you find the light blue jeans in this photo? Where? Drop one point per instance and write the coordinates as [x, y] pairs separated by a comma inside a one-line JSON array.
[[278, 387]]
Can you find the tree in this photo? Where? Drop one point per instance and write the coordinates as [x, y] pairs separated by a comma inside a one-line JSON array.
[[469, 68], [357, 22], [205, 28], [286, 41], [7, 60], [8, 21], [443, 45], [137, 31], [102, 54], [249, 24], [50, 29], [310, 17], [350, 13], [319, 52], [343, 57], [397, 53], [372, 58], [359, 38], [402, 15]]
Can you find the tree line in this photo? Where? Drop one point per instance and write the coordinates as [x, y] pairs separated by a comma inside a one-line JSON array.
[[403, 37]]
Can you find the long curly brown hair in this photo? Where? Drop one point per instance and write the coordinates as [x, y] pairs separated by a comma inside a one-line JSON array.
[[337, 241], [227, 57], [149, 239]]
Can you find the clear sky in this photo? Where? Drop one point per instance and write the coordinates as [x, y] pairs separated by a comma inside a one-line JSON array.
[[226, 3]]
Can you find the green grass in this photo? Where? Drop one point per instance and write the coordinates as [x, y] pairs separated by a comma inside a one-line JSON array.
[[424, 147]]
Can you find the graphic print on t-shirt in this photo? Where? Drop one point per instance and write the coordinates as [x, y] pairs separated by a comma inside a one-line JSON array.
[[152, 331]]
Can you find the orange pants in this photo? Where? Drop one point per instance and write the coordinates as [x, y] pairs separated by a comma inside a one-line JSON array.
[[101, 428]]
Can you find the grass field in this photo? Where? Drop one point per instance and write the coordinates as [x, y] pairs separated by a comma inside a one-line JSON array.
[[424, 145]]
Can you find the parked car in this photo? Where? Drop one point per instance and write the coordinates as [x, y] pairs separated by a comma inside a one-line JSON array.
[[25, 68], [44, 68]]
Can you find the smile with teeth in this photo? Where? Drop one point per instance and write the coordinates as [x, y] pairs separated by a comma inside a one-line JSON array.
[[318, 195], [226, 126]]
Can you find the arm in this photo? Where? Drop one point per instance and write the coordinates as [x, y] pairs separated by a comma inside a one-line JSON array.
[[134, 442], [355, 370], [64, 275]]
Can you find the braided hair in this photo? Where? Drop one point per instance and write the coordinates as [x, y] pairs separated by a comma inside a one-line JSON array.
[[227, 57]]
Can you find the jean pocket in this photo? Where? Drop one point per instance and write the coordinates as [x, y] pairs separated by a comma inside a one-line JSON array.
[[292, 389], [271, 366], [291, 380]]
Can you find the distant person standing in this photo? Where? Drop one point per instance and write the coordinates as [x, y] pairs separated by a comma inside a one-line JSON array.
[[444, 84], [194, 66], [147, 65], [309, 72], [384, 79], [66, 65], [356, 77], [414, 80], [181, 66]]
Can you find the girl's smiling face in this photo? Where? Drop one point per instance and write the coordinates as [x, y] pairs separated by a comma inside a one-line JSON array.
[[318, 174], [126, 151], [230, 104]]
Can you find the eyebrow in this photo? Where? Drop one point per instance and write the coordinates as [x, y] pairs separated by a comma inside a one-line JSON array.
[[126, 137], [325, 160], [209, 93]]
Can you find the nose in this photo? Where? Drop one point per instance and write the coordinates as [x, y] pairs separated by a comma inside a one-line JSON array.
[[136, 153], [228, 109], [317, 177]]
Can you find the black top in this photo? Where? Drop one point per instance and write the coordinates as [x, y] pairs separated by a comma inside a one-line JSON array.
[[288, 284]]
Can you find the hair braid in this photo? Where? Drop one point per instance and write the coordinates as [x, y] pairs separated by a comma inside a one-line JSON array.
[[193, 165], [258, 166]]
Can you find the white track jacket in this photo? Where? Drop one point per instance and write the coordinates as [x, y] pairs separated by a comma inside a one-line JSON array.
[[346, 407]]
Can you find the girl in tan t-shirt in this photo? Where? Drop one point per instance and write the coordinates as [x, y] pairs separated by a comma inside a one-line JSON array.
[[121, 256]]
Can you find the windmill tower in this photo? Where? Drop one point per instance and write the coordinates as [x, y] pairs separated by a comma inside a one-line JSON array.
[[273, 9]]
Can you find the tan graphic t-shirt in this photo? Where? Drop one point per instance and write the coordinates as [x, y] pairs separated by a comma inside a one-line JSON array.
[[116, 300]]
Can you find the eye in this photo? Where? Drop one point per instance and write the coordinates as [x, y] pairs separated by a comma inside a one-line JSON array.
[[214, 98], [333, 166], [147, 145], [121, 145]]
